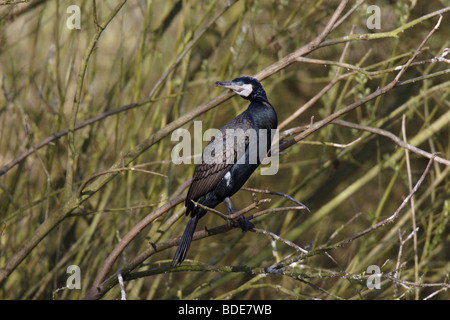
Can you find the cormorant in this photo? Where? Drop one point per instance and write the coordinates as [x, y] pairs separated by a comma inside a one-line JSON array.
[[220, 175]]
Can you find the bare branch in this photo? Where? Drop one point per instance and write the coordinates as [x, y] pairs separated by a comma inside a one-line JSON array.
[[393, 137]]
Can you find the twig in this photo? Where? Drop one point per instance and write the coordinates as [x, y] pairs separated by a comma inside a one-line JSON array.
[[109, 261], [197, 36], [292, 131], [311, 102], [220, 214], [440, 58], [415, 284], [383, 35], [400, 251], [331, 144], [68, 184], [55, 136], [278, 238], [74, 201], [413, 210], [102, 285], [278, 194], [382, 223], [319, 124], [13, 2], [98, 174], [336, 79], [241, 212], [335, 63], [336, 232], [396, 213], [235, 215], [123, 295], [260, 213], [393, 137], [444, 288], [421, 78]]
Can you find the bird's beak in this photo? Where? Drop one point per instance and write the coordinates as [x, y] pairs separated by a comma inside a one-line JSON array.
[[229, 85], [243, 90]]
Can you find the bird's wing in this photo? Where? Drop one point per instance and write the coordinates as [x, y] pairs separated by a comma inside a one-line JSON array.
[[211, 169]]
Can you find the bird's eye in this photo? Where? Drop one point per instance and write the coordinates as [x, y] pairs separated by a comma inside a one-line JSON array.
[[240, 83]]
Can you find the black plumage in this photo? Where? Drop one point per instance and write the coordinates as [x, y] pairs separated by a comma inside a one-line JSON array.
[[219, 176]]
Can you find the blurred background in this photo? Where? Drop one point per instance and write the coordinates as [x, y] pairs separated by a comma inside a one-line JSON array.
[[347, 188]]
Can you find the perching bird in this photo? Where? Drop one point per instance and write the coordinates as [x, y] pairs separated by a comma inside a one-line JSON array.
[[221, 174]]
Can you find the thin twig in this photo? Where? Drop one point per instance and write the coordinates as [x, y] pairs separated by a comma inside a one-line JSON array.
[[123, 295], [319, 124], [217, 212], [55, 136], [413, 209], [71, 150], [278, 194], [393, 137], [75, 200], [260, 213], [399, 209], [335, 63], [400, 251], [332, 144], [378, 225], [109, 261], [278, 238], [98, 174]]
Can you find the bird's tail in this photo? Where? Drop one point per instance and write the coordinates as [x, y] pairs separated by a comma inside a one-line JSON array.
[[185, 242]]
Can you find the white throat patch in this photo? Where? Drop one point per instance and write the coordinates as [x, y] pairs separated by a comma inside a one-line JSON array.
[[246, 90]]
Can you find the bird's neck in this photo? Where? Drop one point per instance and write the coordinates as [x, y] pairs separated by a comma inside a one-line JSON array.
[[263, 114]]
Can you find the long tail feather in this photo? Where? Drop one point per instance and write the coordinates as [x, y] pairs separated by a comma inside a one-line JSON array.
[[185, 242]]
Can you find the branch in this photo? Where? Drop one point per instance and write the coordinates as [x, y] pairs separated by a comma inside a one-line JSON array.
[[317, 125], [101, 286], [98, 174], [72, 152], [383, 35], [378, 225], [90, 121], [75, 201], [335, 63], [98, 291], [304, 50], [109, 261], [281, 194], [32, 241], [278, 238], [394, 138]]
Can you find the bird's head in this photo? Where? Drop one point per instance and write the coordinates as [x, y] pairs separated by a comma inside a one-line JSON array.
[[247, 87]]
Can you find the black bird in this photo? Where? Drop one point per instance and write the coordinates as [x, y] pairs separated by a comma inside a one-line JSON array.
[[220, 175]]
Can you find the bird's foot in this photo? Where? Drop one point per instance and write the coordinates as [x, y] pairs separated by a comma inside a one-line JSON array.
[[241, 222], [244, 223]]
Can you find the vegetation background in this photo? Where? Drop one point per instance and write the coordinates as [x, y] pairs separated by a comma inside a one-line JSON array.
[[135, 68]]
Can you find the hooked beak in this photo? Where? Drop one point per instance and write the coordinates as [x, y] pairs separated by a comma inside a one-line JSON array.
[[229, 85], [244, 90]]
